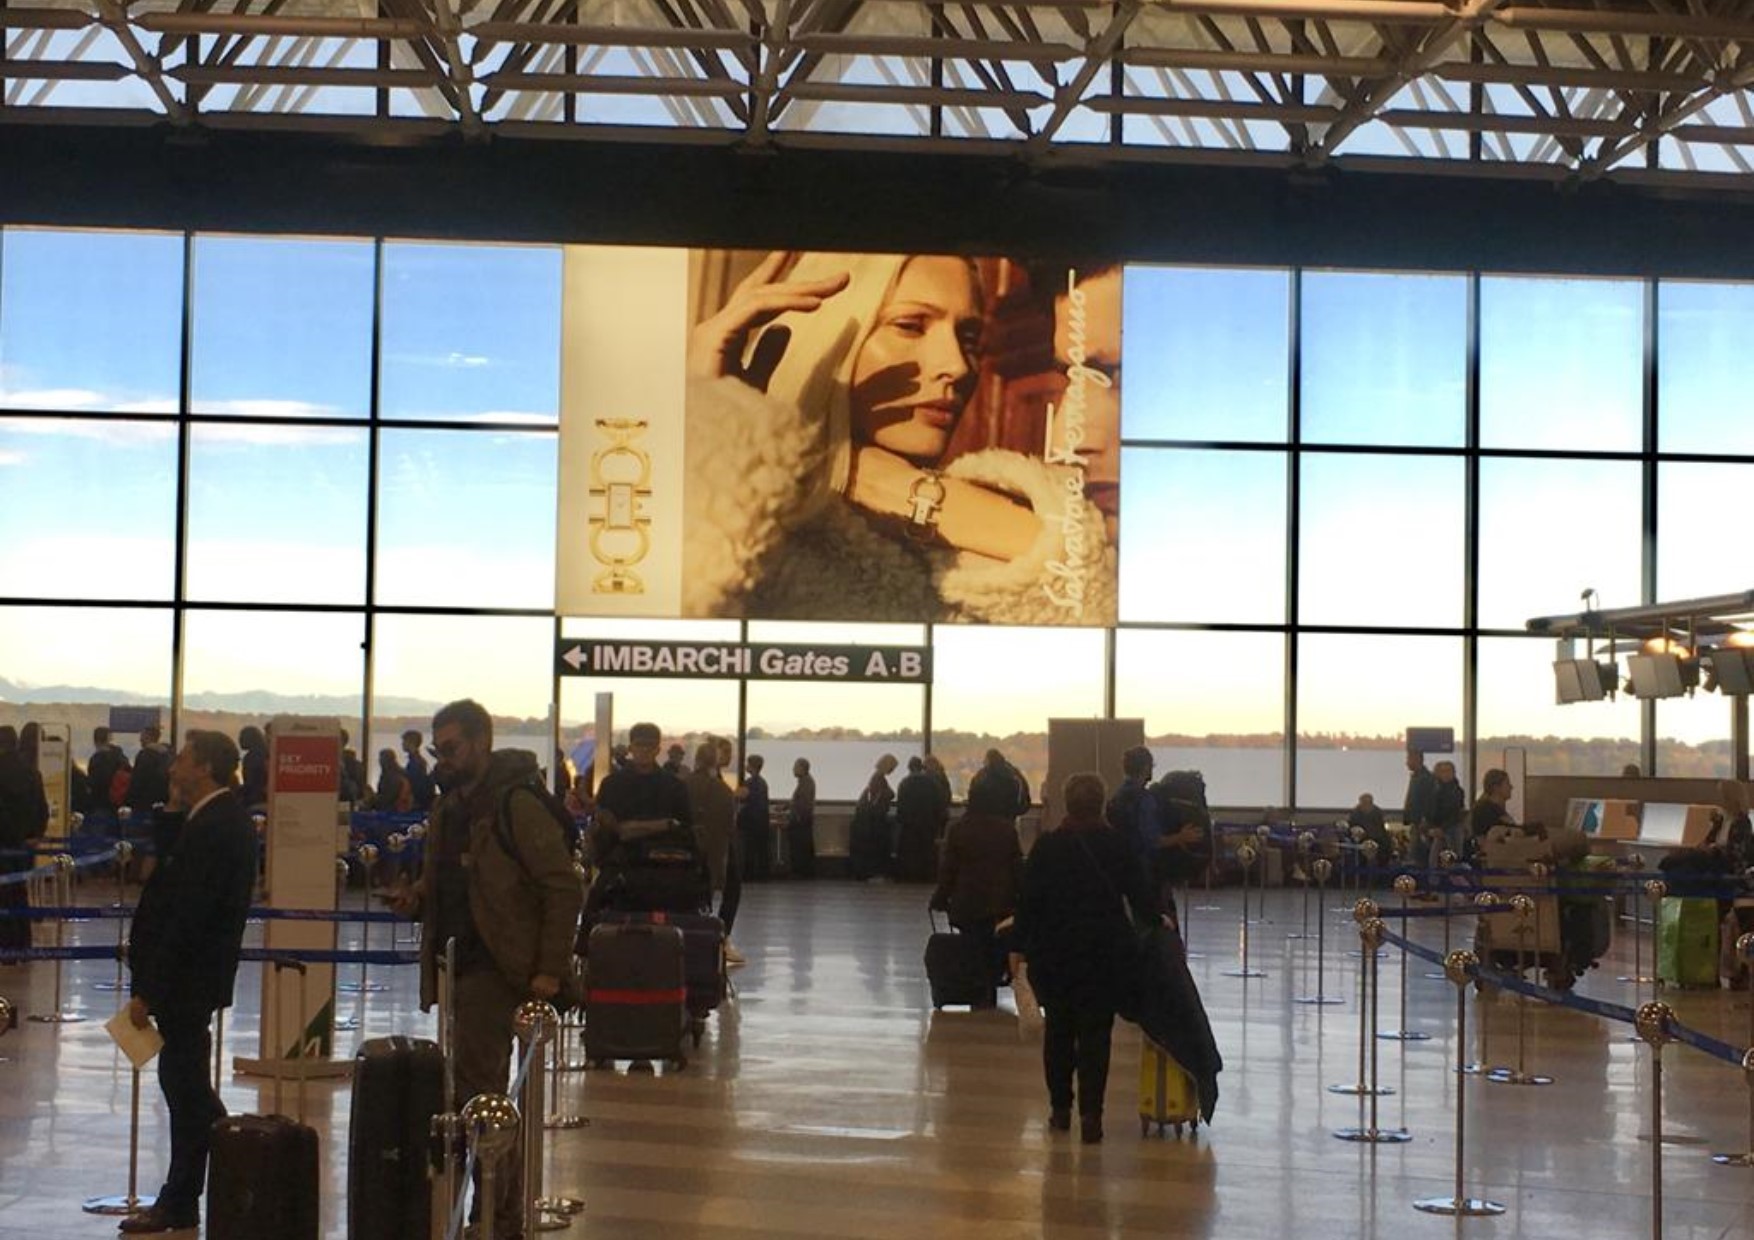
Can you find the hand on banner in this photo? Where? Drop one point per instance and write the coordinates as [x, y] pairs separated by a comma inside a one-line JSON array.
[[716, 345]]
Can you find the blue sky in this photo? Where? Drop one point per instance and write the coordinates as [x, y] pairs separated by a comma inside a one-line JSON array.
[[90, 325]]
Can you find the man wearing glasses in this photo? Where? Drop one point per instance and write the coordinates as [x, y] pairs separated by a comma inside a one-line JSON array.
[[498, 880]]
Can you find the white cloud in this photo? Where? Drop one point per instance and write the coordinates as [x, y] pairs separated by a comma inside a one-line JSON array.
[[263, 407], [11, 458], [302, 436], [50, 398], [110, 430]]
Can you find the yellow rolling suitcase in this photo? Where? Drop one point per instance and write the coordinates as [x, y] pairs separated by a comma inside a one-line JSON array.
[[1167, 1097]]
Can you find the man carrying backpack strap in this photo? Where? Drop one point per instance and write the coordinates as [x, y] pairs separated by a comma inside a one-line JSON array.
[[499, 880]]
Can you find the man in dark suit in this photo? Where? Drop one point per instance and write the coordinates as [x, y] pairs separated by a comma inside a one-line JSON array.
[[183, 956]]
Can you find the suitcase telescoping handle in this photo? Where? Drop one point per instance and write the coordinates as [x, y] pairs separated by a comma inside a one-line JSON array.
[[280, 965]]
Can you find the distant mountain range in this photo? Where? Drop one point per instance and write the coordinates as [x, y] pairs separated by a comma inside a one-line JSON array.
[[249, 702]]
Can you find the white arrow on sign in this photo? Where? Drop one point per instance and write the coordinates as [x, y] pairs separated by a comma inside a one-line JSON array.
[[575, 657]]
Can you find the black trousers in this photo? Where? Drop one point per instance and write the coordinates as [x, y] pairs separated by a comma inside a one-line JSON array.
[[1076, 1040], [185, 1075]]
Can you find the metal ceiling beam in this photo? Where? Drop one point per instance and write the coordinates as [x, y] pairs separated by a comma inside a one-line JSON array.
[[1649, 131], [44, 19], [612, 36], [1097, 53], [607, 84], [935, 49], [1252, 62], [915, 96], [1626, 21], [1560, 75], [301, 75], [114, 16], [293, 27], [1503, 122], [1217, 109], [64, 70]]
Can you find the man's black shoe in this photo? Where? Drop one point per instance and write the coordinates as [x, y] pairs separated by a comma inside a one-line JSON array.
[[154, 1220]]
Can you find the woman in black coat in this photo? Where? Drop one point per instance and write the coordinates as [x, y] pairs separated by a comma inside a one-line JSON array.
[[1082, 949]]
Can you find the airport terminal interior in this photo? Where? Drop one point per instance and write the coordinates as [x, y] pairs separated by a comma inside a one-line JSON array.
[[1278, 386]]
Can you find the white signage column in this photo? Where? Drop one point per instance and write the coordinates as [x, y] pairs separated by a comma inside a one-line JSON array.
[[304, 785], [55, 763]]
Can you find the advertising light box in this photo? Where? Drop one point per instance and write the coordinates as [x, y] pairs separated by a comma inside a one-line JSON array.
[[818, 436]]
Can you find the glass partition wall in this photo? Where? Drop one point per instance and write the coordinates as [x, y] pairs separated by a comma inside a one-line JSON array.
[[242, 476]]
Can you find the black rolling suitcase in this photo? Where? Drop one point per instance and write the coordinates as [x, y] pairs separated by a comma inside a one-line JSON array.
[[262, 1171], [398, 1086], [636, 993], [959, 977]]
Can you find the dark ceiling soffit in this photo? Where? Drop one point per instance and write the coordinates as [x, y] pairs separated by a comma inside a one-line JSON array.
[[1262, 211]]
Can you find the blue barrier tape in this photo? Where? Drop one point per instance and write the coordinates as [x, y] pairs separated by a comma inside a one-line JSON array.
[[1577, 1003], [83, 862], [85, 912], [16, 955]]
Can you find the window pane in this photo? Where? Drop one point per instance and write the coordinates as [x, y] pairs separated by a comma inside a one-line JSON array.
[[1204, 536], [471, 333], [1382, 540], [277, 514], [1207, 354], [1550, 530], [994, 686], [1384, 358], [282, 327], [1356, 698], [1702, 519], [466, 518], [1562, 364], [87, 508], [1693, 737], [1213, 702], [842, 729], [419, 663], [1516, 706], [91, 320], [244, 667], [71, 664], [1705, 369]]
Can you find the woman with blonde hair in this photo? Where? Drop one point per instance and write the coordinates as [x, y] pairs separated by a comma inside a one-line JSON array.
[[822, 400]]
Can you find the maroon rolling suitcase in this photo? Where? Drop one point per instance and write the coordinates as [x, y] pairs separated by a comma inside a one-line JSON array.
[[262, 1171], [636, 994], [398, 1086], [703, 952]]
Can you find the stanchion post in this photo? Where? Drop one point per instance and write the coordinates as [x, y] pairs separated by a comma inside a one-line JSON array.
[[1485, 902], [535, 1024], [1745, 953], [1447, 860], [124, 854], [1304, 847], [444, 1172], [1364, 911], [491, 1123], [1263, 849], [1246, 856], [447, 1022], [131, 1202], [62, 884], [1653, 1027], [1405, 885], [1457, 966], [1370, 937], [1523, 906], [1321, 869], [1636, 863]]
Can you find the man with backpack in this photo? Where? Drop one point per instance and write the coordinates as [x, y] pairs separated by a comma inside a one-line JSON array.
[[499, 880], [643, 842]]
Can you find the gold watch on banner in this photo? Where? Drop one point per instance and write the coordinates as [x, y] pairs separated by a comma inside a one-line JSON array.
[[621, 486]]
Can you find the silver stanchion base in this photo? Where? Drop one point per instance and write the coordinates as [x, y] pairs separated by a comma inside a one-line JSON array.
[[1734, 1160], [1374, 1136], [354, 988], [1360, 955], [1435, 977], [1321, 1000], [119, 1205], [1670, 1138], [1244, 973], [1469, 1207], [1361, 1090], [1298, 934], [1404, 1035], [1478, 1069], [1208, 908], [59, 1018], [1510, 1076], [565, 1123], [568, 1206]]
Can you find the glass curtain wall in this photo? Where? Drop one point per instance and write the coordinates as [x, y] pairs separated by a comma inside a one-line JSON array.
[[245, 475]]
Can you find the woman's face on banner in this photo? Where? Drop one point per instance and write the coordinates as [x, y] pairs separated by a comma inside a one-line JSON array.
[[916, 369]]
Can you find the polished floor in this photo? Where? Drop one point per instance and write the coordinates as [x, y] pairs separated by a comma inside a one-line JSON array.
[[830, 1100]]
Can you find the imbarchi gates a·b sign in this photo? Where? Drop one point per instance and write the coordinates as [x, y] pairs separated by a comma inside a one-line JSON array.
[[907, 665]]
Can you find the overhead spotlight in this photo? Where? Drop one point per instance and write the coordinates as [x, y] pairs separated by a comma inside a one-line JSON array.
[[1731, 669], [1662, 675], [1742, 639]]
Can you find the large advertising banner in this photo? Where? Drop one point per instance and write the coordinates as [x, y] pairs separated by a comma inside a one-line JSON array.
[[820, 436]]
